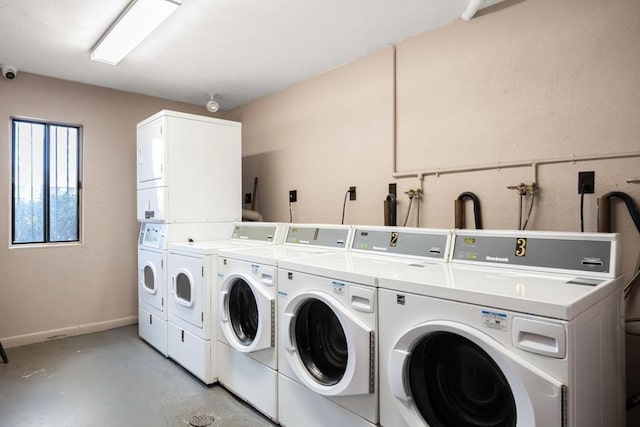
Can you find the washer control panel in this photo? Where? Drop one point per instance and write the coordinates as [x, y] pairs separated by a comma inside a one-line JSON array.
[[577, 252], [402, 241], [330, 237]]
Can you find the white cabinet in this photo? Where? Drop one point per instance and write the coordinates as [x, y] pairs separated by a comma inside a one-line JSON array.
[[188, 169]]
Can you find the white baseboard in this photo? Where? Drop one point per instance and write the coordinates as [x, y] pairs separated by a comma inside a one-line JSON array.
[[89, 328]]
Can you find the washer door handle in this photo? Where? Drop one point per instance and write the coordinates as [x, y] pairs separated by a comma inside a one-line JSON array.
[[397, 367], [287, 322], [222, 304]]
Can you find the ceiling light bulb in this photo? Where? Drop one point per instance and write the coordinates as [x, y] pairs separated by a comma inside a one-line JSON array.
[[212, 105]]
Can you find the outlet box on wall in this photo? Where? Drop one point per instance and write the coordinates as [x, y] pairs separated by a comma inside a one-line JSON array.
[[352, 193], [586, 182]]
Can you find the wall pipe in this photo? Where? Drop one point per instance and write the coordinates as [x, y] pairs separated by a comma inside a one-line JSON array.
[[604, 210], [472, 9], [459, 210], [518, 164], [390, 210]]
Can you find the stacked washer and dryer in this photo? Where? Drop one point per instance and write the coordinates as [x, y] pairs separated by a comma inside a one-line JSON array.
[[520, 329], [248, 323], [328, 314], [188, 188]]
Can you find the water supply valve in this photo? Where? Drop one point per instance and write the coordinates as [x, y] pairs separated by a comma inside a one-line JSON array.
[[524, 189]]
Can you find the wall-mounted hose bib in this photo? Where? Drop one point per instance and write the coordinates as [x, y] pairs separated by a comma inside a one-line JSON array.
[[417, 195], [523, 191]]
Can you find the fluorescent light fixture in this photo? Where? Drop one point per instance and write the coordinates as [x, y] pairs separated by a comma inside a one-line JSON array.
[[137, 21]]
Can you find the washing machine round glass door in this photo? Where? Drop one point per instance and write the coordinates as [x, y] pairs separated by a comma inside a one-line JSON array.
[[329, 347], [246, 313], [454, 382], [321, 342], [243, 312]]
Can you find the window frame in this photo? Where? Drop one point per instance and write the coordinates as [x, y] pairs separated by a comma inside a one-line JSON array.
[[48, 124]]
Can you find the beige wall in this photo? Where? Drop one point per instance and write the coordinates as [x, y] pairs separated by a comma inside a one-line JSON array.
[[524, 81], [46, 291]]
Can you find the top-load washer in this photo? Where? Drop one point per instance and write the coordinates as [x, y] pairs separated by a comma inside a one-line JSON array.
[[525, 330], [153, 241], [192, 272], [328, 314], [247, 339]]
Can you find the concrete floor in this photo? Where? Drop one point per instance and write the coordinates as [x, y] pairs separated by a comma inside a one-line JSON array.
[[110, 378]]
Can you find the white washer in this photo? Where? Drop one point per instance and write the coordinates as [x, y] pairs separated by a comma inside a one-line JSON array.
[[328, 313], [192, 272], [526, 330], [152, 274], [247, 339]]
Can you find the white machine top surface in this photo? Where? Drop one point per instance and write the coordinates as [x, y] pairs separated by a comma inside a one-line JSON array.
[[213, 246], [551, 274], [269, 254], [351, 266], [375, 250], [301, 240], [560, 296]]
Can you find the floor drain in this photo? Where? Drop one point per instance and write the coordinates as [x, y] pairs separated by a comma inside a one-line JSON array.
[[201, 420]]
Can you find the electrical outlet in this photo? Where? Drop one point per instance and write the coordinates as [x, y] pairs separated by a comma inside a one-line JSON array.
[[586, 182], [247, 198], [293, 196], [393, 188], [352, 193]]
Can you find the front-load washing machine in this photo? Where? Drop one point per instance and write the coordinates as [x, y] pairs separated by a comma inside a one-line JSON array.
[[328, 314], [525, 330], [247, 339], [153, 241], [192, 272]]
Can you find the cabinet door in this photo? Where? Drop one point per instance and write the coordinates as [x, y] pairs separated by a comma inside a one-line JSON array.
[[151, 154]]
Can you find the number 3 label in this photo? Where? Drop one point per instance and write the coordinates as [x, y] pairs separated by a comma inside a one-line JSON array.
[[521, 247]]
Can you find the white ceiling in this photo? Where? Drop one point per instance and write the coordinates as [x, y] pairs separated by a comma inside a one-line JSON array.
[[239, 49]]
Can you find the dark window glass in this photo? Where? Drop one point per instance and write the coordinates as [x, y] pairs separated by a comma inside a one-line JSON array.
[[45, 182]]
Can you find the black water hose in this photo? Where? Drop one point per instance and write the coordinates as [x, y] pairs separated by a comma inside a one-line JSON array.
[[390, 210], [604, 210], [459, 210]]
